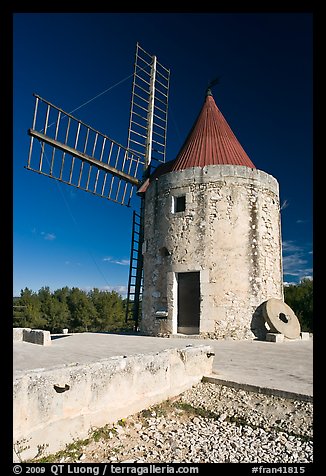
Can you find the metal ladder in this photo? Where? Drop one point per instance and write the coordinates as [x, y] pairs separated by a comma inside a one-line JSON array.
[[135, 282]]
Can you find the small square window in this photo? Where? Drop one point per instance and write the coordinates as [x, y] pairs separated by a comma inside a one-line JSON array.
[[179, 204]]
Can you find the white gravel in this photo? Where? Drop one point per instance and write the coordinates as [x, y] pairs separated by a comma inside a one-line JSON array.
[[210, 423]]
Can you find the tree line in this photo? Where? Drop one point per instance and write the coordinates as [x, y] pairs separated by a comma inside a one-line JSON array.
[[104, 311], [300, 299], [70, 308]]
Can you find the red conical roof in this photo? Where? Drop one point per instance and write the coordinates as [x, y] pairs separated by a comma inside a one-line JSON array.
[[211, 141]]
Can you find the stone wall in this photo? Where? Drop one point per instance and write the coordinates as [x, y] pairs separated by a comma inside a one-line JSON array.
[[230, 232], [53, 407]]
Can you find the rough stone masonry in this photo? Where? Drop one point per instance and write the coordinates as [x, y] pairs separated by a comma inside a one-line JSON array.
[[229, 231]]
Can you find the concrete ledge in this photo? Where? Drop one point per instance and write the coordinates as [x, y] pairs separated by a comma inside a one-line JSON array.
[[53, 407], [257, 389], [34, 336]]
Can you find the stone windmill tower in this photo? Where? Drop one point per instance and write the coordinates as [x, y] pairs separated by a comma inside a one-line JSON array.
[[212, 237], [206, 241]]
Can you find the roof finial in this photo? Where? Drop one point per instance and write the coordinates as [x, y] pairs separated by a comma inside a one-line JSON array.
[[212, 83]]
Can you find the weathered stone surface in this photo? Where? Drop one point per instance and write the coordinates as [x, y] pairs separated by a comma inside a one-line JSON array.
[[229, 233], [53, 406]]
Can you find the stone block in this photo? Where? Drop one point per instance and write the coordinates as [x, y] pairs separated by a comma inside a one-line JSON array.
[[18, 332], [304, 335], [37, 336], [274, 337]]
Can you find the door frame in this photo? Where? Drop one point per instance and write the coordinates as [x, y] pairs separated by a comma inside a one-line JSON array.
[[188, 303], [203, 275]]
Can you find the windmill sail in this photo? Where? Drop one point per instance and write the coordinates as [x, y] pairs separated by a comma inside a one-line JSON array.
[[149, 109], [77, 154], [66, 149]]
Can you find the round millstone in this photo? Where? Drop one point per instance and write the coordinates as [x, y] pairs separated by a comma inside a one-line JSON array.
[[280, 318]]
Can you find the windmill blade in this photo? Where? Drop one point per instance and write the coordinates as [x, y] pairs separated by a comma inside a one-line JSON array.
[[149, 109], [74, 153]]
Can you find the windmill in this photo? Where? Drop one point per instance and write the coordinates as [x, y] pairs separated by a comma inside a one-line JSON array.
[[76, 154]]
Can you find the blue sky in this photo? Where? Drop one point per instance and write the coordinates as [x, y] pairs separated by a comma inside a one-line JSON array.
[[68, 237]]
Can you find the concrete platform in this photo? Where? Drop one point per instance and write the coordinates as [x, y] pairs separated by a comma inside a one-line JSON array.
[[280, 368]]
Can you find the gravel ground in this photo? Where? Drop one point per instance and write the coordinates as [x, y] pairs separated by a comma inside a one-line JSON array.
[[208, 423]]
